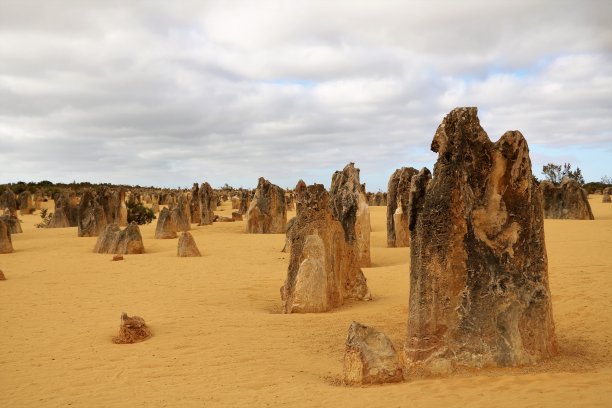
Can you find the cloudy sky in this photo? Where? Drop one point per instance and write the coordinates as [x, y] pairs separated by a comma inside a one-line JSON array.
[[158, 93]]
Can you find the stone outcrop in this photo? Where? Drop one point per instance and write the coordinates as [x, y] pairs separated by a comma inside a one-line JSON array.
[[2, 277], [66, 212], [479, 293], [606, 195], [398, 192], [180, 213], [267, 213], [26, 203], [236, 216], [166, 226], [13, 223], [122, 212], [567, 201], [207, 202], [133, 329], [187, 246], [8, 200], [300, 190], [115, 241], [195, 205], [6, 243], [349, 206], [370, 357], [245, 202], [91, 216], [323, 267]]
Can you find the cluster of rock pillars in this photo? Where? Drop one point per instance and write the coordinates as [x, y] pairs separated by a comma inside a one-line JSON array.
[[479, 292]]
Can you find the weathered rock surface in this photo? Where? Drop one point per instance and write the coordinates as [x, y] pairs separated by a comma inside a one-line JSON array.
[[370, 357], [6, 243], [13, 223], [115, 241], [267, 213], [2, 277], [133, 329], [26, 203], [166, 226], [479, 293], [195, 205], [235, 202], [323, 268], [187, 246], [567, 201], [207, 201], [8, 200], [349, 206], [398, 193], [91, 216], [300, 190], [606, 195], [236, 216], [180, 213]]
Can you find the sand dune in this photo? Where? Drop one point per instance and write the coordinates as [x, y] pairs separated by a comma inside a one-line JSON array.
[[219, 339]]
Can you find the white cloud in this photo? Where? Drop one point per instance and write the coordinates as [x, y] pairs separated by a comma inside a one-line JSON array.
[[171, 93]]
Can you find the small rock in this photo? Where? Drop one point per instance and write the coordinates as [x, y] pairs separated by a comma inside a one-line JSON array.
[[370, 357], [118, 258], [2, 277], [187, 246], [132, 330]]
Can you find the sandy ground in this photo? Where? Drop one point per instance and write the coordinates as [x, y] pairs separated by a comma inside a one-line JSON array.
[[219, 339]]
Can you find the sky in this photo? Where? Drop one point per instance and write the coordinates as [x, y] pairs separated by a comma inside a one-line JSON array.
[[168, 94]]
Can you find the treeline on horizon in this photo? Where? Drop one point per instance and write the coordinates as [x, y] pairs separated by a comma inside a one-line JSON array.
[[49, 187]]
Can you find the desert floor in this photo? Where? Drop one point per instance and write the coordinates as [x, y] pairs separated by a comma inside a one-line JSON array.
[[219, 339]]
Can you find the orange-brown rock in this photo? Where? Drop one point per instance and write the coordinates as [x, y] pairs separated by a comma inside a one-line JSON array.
[[207, 201], [26, 203], [166, 225], [323, 267], [6, 243], [91, 216], [180, 213], [2, 277], [187, 246], [348, 205], [13, 223], [398, 192], [236, 216], [133, 329], [115, 241], [479, 292], [195, 205], [267, 213], [606, 195], [300, 190], [567, 201], [370, 357], [117, 258], [8, 200]]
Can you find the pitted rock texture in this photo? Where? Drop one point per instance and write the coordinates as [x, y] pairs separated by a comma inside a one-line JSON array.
[[187, 246], [13, 223], [8, 200], [166, 225], [479, 293], [26, 203], [6, 243], [567, 201], [398, 192], [207, 201], [349, 206], [133, 329], [323, 268], [180, 213], [115, 241], [300, 190], [370, 357], [195, 206], [267, 213], [91, 216]]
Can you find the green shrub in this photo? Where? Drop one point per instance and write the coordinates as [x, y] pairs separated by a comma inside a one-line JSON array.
[[140, 214]]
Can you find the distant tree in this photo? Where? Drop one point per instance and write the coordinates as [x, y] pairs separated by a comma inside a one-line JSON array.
[[555, 173], [606, 180], [139, 213]]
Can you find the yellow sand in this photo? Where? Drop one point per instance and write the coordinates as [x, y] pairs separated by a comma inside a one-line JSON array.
[[219, 339]]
